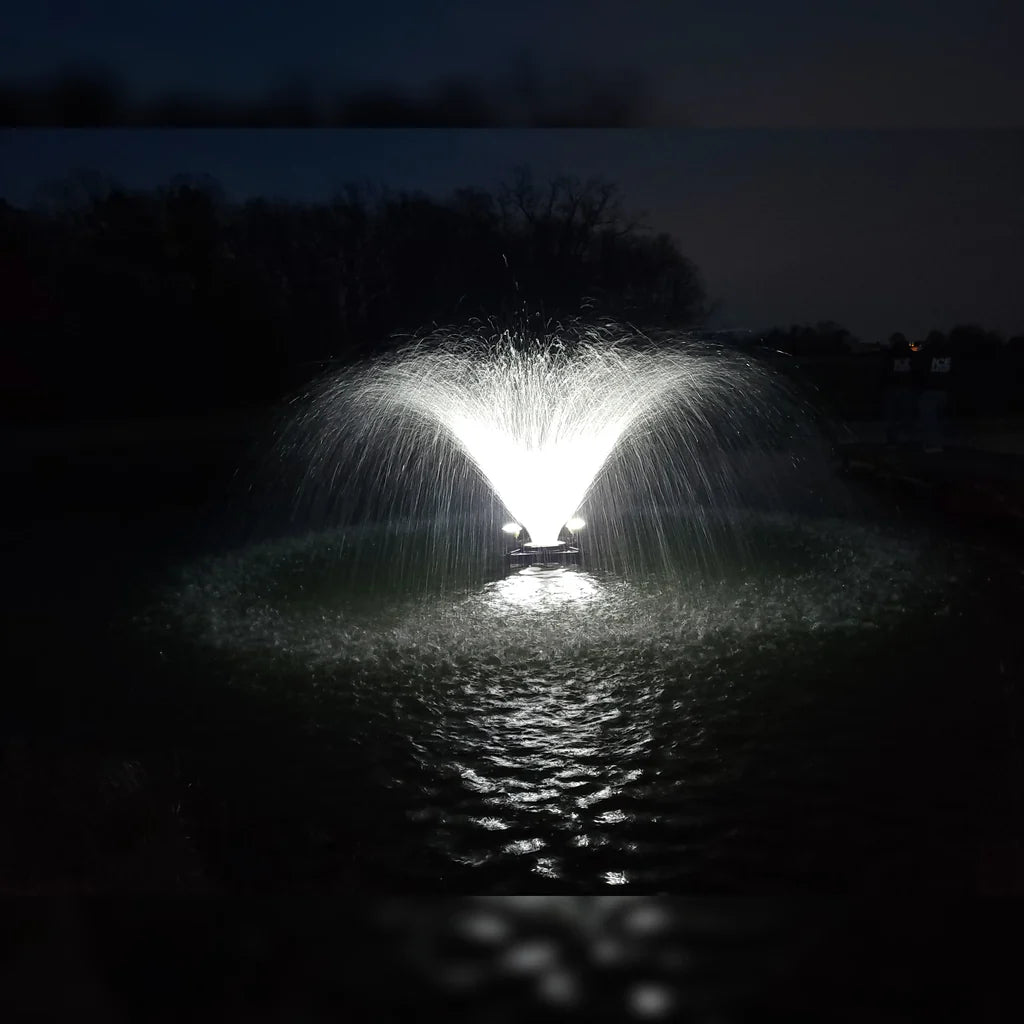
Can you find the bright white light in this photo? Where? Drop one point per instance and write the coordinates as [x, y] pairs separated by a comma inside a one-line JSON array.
[[512, 528], [575, 524], [538, 420], [543, 590]]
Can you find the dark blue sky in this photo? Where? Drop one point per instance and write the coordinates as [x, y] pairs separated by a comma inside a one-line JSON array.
[[881, 231], [860, 63]]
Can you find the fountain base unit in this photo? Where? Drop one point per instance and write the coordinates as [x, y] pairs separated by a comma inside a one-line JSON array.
[[530, 554]]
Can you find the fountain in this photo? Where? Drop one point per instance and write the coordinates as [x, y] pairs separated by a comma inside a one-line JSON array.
[[631, 423], [684, 708]]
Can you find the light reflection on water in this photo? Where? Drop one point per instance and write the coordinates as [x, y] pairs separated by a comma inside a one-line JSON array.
[[548, 754], [572, 726], [542, 589]]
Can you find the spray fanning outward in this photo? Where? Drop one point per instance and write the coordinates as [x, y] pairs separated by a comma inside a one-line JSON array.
[[538, 425], [538, 420]]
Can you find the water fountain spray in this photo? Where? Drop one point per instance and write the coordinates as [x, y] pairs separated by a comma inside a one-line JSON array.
[[537, 419]]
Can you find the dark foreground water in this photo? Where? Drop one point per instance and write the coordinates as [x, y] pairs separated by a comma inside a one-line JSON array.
[[826, 716], [828, 709], [819, 713]]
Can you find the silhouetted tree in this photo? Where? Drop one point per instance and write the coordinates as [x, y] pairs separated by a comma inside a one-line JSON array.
[[825, 338], [571, 237], [972, 341], [177, 296]]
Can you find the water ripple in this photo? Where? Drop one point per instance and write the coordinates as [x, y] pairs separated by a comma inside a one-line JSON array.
[[586, 728]]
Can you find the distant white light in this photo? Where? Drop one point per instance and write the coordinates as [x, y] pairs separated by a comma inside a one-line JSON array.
[[575, 524], [512, 528]]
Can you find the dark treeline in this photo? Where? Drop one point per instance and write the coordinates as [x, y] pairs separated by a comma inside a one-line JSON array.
[[92, 95], [825, 338], [176, 299], [851, 378], [830, 339]]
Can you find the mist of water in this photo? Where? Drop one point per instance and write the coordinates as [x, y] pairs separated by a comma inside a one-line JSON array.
[[480, 425]]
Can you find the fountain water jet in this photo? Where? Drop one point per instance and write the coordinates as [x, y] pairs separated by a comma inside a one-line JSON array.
[[542, 421]]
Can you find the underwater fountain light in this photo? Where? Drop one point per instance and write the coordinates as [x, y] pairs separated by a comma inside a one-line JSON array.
[[575, 524], [511, 528]]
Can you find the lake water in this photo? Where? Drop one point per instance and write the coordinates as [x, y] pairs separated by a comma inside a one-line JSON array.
[[819, 709], [817, 704]]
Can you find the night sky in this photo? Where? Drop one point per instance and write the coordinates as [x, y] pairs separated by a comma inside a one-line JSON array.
[[862, 162], [880, 231], [869, 63]]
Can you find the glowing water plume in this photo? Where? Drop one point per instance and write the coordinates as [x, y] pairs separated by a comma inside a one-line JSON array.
[[536, 418], [539, 424]]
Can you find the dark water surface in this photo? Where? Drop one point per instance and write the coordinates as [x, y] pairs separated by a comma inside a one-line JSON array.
[[825, 711], [821, 717], [820, 708]]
